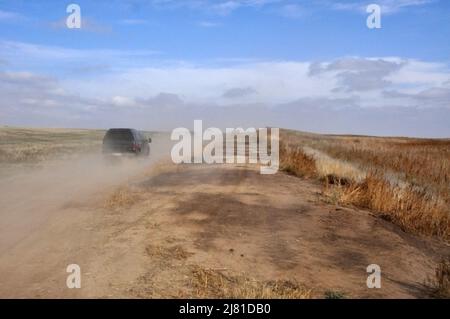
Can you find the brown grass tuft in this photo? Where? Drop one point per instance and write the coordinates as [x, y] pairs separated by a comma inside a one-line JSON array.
[[175, 252], [123, 197], [214, 284], [406, 180], [440, 284], [413, 209], [296, 162]]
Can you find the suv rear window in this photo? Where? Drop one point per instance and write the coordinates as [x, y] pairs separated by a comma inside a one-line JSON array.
[[119, 135]]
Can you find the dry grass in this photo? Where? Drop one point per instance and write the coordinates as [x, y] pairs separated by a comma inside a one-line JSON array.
[[405, 180], [214, 284], [200, 282], [20, 145], [123, 197], [332, 169], [440, 284], [414, 210], [296, 162], [166, 253]]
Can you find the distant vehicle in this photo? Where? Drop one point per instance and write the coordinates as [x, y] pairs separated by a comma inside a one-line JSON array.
[[125, 141]]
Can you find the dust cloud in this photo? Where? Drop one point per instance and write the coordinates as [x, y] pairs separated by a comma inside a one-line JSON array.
[[29, 199]]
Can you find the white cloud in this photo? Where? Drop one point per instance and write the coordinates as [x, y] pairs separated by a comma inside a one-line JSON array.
[[208, 24], [234, 93], [34, 55], [291, 11], [123, 101], [288, 8], [387, 6], [102, 71], [30, 99], [8, 16], [222, 7], [418, 75], [165, 93], [226, 7], [274, 82], [133, 21], [359, 74], [88, 25]]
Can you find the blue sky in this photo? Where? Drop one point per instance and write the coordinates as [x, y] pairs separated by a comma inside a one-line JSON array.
[[198, 30], [204, 55]]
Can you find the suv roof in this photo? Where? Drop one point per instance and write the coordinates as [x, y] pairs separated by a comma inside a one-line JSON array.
[[121, 129]]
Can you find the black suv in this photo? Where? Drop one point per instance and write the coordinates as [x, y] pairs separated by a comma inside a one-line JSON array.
[[123, 141]]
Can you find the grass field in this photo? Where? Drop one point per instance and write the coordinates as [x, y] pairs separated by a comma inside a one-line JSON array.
[[22, 145], [407, 181], [23, 148], [402, 180]]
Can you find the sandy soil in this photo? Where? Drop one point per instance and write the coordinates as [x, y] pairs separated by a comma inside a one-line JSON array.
[[227, 218]]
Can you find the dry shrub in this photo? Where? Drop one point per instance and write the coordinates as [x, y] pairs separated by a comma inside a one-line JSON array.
[[294, 161], [123, 197], [175, 252], [440, 284], [214, 284], [332, 169], [406, 180], [423, 162], [413, 209]]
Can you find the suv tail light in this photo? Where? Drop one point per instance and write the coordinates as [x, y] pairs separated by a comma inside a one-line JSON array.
[[136, 147]]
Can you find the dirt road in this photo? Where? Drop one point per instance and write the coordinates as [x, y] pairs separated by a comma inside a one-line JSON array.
[[147, 235]]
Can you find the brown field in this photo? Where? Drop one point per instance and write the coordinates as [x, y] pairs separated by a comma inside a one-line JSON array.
[[152, 229], [406, 181], [24, 148], [22, 145]]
